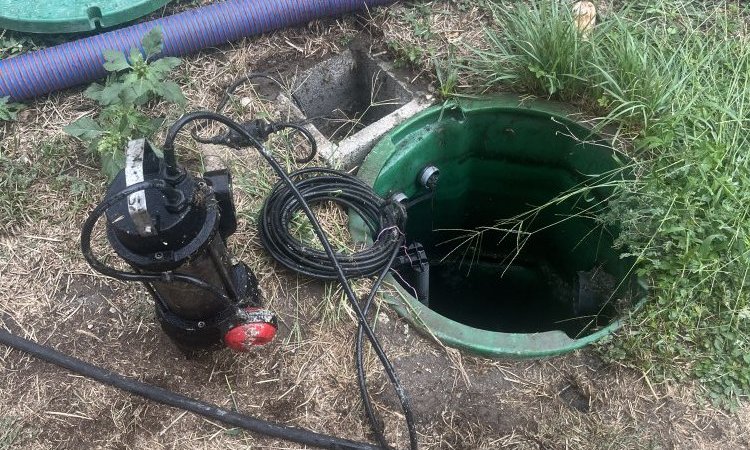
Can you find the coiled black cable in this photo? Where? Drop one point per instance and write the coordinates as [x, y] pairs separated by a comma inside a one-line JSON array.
[[383, 218], [319, 185]]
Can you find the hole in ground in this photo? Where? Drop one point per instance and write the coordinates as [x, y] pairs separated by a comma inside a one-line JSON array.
[[348, 92], [485, 284], [562, 275]]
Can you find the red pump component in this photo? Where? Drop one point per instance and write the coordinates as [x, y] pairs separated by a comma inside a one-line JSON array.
[[258, 327]]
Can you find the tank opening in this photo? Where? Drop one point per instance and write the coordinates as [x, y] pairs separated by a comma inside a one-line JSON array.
[[501, 279]]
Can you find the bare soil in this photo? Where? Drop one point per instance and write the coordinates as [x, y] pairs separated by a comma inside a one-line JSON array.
[[306, 377]]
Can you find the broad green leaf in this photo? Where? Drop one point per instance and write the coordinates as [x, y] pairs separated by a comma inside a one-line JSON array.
[[172, 92], [163, 66], [115, 61], [152, 42], [110, 94], [142, 87], [141, 92], [129, 78], [136, 57], [112, 164], [84, 128], [94, 91]]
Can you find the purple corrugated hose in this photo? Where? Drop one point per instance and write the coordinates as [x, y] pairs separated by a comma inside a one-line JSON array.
[[78, 62]]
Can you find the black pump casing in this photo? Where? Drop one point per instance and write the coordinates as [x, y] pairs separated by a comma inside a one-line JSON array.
[[191, 221]]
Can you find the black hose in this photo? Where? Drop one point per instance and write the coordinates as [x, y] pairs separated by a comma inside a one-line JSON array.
[[167, 397], [170, 159]]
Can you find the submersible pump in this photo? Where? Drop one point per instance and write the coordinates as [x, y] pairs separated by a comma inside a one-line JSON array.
[[172, 228]]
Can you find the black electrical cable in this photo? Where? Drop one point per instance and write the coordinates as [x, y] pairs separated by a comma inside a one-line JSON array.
[[358, 355], [170, 159], [156, 393], [319, 185], [173, 399], [167, 397], [278, 126], [276, 215], [227, 95], [261, 128]]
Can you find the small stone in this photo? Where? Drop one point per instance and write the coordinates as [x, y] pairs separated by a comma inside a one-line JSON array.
[[585, 17], [90, 326], [245, 102]]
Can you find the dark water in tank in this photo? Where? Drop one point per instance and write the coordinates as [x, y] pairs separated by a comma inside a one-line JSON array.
[[488, 288], [523, 297], [519, 298]]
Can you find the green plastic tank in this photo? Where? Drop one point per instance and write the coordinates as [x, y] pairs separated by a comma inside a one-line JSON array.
[[559, 287], [69, 16]]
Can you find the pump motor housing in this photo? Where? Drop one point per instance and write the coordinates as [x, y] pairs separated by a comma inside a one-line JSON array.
[[183, 230]]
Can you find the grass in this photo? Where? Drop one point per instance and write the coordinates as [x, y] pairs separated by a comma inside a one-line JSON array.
[[11, 432], [49, 169], [8, 111], [674, 77]]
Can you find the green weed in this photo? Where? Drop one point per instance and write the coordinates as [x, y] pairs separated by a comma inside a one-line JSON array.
[[51, 166], [11, 433], [12, 44], [134, 82], [8, 111], [448, 78], [406, 54], [15, 180]]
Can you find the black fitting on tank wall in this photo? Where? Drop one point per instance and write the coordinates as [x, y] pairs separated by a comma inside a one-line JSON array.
[[414, 268]]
